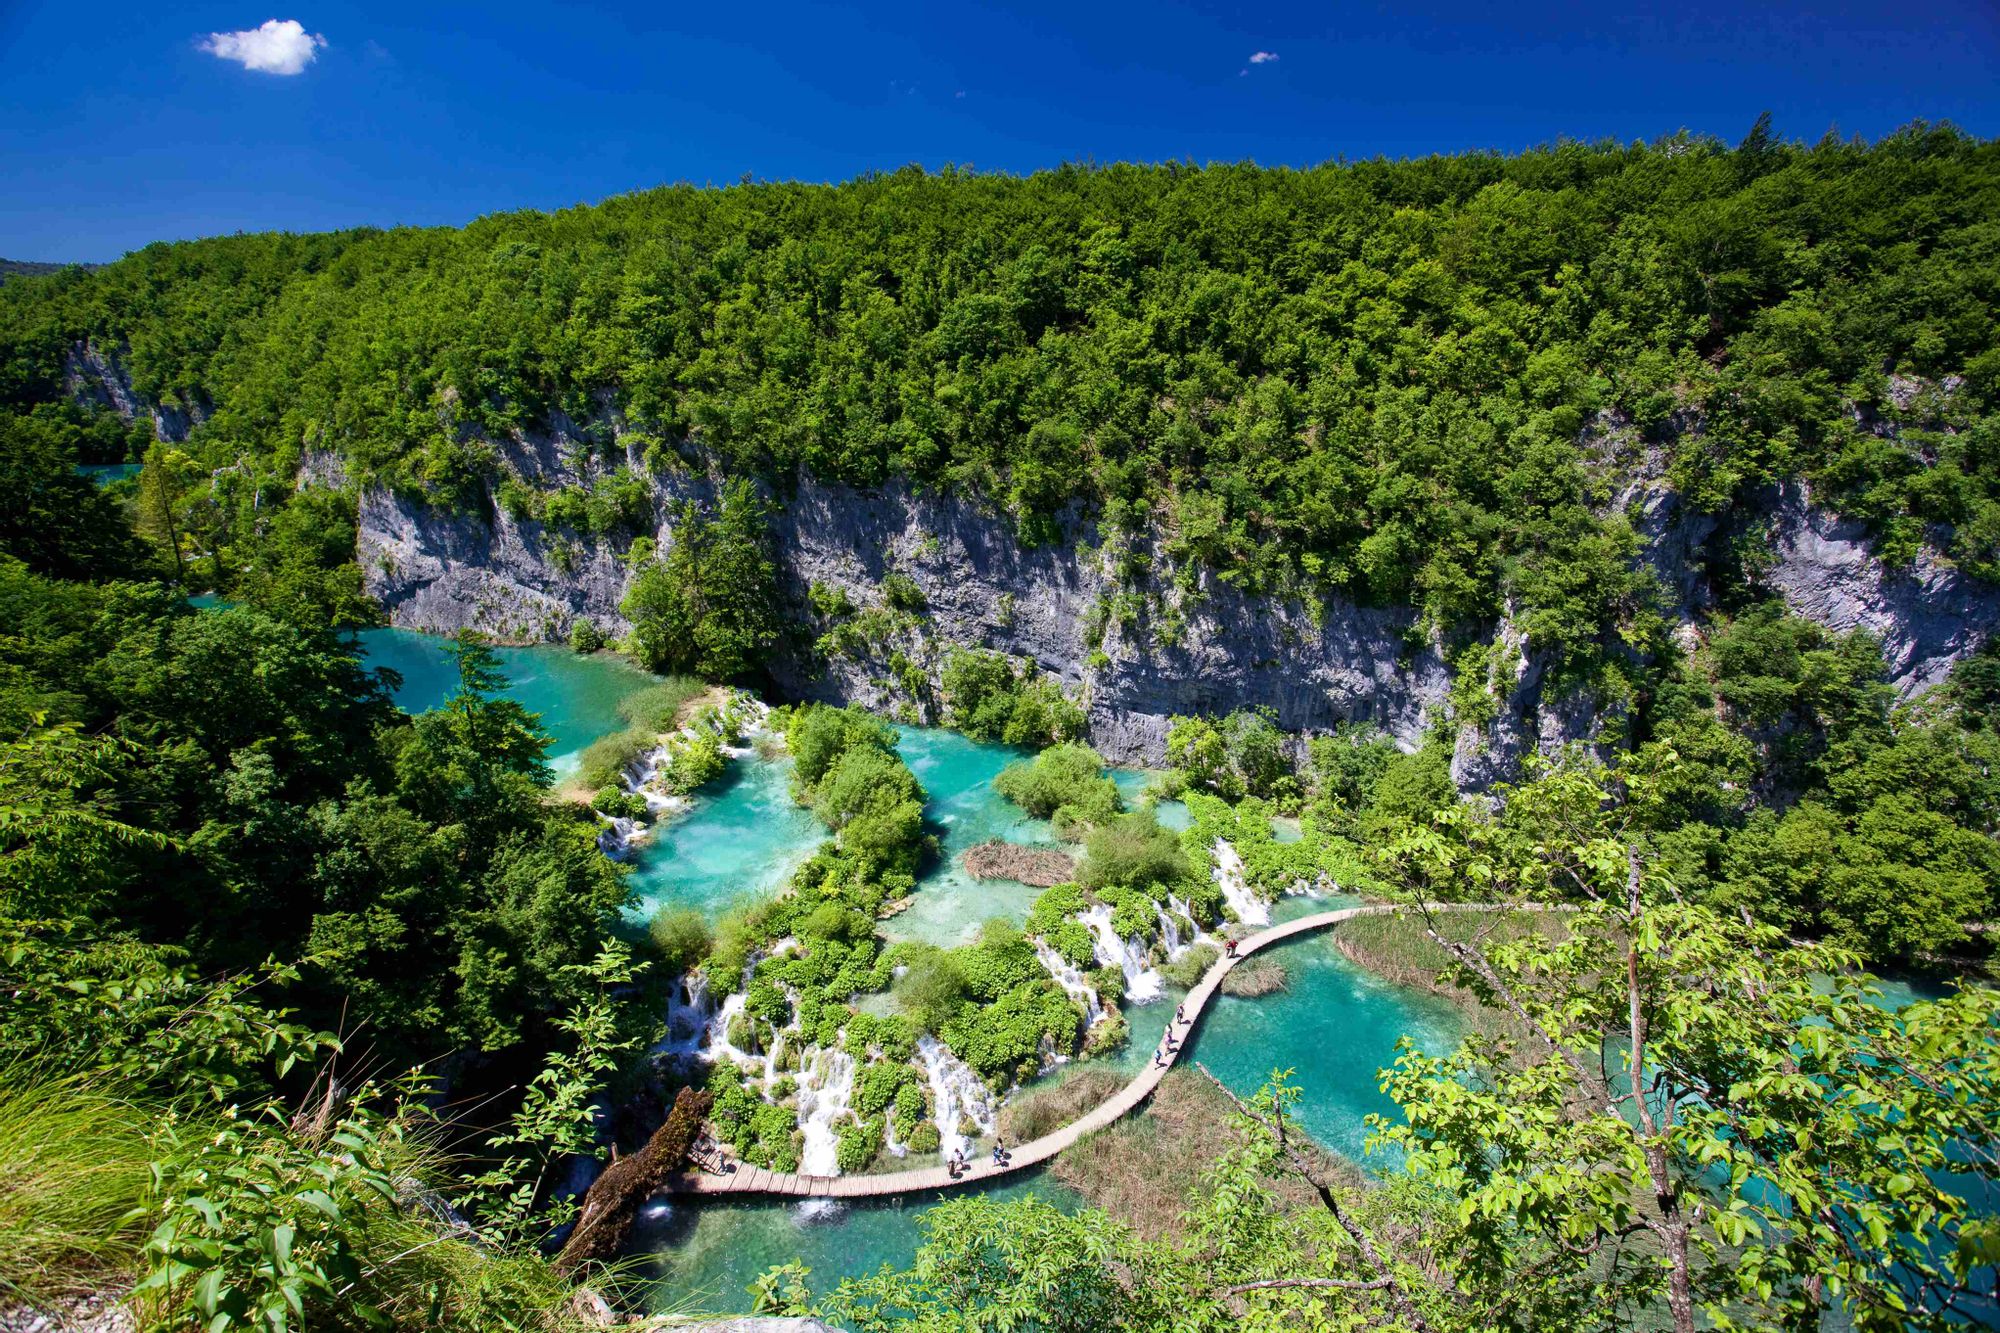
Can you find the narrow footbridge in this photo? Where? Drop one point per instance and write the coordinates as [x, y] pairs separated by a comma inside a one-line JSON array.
[[747, 1179]]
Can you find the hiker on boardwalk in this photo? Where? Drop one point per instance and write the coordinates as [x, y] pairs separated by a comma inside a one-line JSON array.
[[1230, 946], [1180, 1013]]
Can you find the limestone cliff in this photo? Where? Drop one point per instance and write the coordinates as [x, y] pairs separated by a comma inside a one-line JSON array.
[[1189, 644], [1207, 647]]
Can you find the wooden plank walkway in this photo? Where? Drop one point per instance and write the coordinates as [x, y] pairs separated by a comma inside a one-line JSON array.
[[747, 1179]]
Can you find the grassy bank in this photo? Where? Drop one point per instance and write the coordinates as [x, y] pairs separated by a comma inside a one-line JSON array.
[[1141, 1169], [1398, 948]]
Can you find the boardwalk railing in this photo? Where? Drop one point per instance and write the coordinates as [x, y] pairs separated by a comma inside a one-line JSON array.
[[747, 1179]]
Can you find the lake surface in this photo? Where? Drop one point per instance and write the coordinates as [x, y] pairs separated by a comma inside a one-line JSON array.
[[1334, 1027], [576, 696]]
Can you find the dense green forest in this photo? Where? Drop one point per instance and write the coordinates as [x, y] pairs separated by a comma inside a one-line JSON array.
[[307, 1005], [1370, 377]]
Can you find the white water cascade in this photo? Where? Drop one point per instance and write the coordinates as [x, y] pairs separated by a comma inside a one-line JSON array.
[[1249, 908], [1142, 983], [1070, 978], [1183, 914], [826, 1083], [957, 1095], [688, 1022]]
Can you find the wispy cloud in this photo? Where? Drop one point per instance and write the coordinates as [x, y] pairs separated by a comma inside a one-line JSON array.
[[277, 46], [1262, 57]]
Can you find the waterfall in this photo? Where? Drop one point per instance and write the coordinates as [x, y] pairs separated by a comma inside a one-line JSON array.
[[1249, 908], [956, 1094], [1071, 979], [826, 1082], [1181, 913], [687, 1023], [719, 1047], [1142, 983]]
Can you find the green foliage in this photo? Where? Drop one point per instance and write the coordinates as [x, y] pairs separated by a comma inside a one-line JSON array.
[[1242, 755], [585, 637], [1795, 1141], [709, 606], [901, 593], [991, 698], [693, 762], [556, 1119], [818, 735], [1134, 852], [681, 938], [255, 1222], [932, 989], [1366, 376], [1346, 768], [1188, 970], [52, 520], [1064, 783]]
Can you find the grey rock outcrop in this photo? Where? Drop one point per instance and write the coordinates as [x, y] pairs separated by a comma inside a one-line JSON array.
[[99, 378], [1209, 648], [1927, 616]]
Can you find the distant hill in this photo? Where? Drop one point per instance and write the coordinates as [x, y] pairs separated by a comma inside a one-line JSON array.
[[28, 268]]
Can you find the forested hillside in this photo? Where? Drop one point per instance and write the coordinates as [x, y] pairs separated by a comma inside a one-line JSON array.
[[1371, 377], [312, 1012]]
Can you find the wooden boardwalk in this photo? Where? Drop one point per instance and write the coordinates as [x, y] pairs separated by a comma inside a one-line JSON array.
[[747, 1179]]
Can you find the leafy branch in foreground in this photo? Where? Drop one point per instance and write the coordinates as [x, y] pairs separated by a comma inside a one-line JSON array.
[[1698, 1114]]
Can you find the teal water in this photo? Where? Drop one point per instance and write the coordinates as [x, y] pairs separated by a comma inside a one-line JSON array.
[[576, 696], [741, 841], [703, 1256], [104, 474], [1334, 1027]]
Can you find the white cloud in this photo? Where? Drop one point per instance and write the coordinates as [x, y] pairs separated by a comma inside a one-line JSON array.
[[1262, 57], [278, 46]]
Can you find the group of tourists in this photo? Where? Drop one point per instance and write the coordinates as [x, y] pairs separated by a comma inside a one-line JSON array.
[[956, 1165]]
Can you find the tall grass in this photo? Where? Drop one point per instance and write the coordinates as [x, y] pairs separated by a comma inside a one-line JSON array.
[[650, 712], [73, 1167], [658, 707], [1397, 947]]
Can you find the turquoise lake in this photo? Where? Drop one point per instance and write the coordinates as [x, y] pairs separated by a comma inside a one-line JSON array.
[[1334, 1027]]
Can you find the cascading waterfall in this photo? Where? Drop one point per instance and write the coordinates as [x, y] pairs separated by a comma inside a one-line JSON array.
[[826, 1083], [1142, 983], [1249, 908], [1183, 914], [688, 1021], [1070, 978], [956, 1095]]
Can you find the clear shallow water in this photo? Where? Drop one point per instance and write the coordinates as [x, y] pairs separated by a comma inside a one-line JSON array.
[[104, 474], [1335, 1026], [576, 696], [704, 1255]]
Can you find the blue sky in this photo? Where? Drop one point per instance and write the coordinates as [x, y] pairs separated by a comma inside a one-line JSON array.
[[118, 124]]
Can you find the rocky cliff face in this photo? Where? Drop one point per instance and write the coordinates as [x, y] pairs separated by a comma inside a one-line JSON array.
[[1206, 649], [98, 377]]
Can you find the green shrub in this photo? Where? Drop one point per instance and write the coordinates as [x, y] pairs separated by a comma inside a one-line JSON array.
[[681, 937], [1066, 783], [932, 989], [860, 1143], [1187, 971], [585, 637], [695, 762], [900, 591], [1133, 851]]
